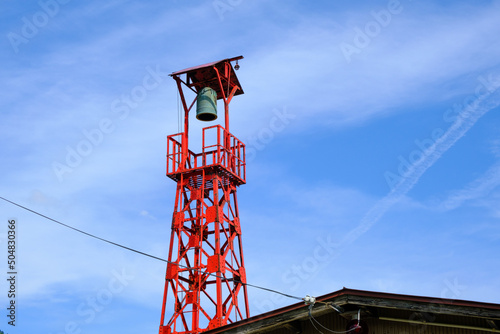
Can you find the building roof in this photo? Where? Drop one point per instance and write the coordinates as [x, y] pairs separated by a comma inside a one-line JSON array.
[[403, 313]]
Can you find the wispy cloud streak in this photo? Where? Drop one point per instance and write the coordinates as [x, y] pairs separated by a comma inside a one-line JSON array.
[[476, 189], [464, 122]]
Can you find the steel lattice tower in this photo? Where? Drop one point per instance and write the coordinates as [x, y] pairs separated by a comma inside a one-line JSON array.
[[205, 277]]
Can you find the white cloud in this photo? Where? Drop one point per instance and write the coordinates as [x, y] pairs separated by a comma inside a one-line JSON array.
[[407, 64], [474, 191]]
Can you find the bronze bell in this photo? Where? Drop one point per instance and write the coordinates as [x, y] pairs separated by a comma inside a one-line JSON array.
[[206, 105]]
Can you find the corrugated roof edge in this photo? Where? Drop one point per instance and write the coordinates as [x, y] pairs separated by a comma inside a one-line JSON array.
[[204, 65]]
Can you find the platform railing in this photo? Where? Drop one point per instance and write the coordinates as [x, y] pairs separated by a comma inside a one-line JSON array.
[[174, 155], [219, 149]]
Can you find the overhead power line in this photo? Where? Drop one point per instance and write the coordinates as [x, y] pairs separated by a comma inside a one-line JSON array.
[[135, 250]]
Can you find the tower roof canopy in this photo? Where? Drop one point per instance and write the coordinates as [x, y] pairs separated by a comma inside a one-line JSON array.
[[205, 75]]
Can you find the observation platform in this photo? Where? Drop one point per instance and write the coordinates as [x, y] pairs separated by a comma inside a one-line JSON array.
[[221, 153]]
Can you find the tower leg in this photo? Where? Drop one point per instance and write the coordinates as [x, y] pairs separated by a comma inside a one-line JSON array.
[[205, 274]]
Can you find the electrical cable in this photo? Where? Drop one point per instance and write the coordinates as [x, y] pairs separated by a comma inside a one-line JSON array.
[[83, 232], [271, 290], [316, 328], [311, 318], [229, 78], [139, 252], [333, 307], [179, 116]]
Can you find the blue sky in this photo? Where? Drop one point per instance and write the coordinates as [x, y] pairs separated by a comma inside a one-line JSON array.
[[372, 131]]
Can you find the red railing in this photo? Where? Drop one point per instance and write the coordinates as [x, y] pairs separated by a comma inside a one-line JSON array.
[[220, 149]]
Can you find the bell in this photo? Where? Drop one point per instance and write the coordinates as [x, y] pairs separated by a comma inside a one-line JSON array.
[[206, 105]]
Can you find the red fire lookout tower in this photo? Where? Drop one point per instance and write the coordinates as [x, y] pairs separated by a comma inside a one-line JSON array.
[[206, 273]]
